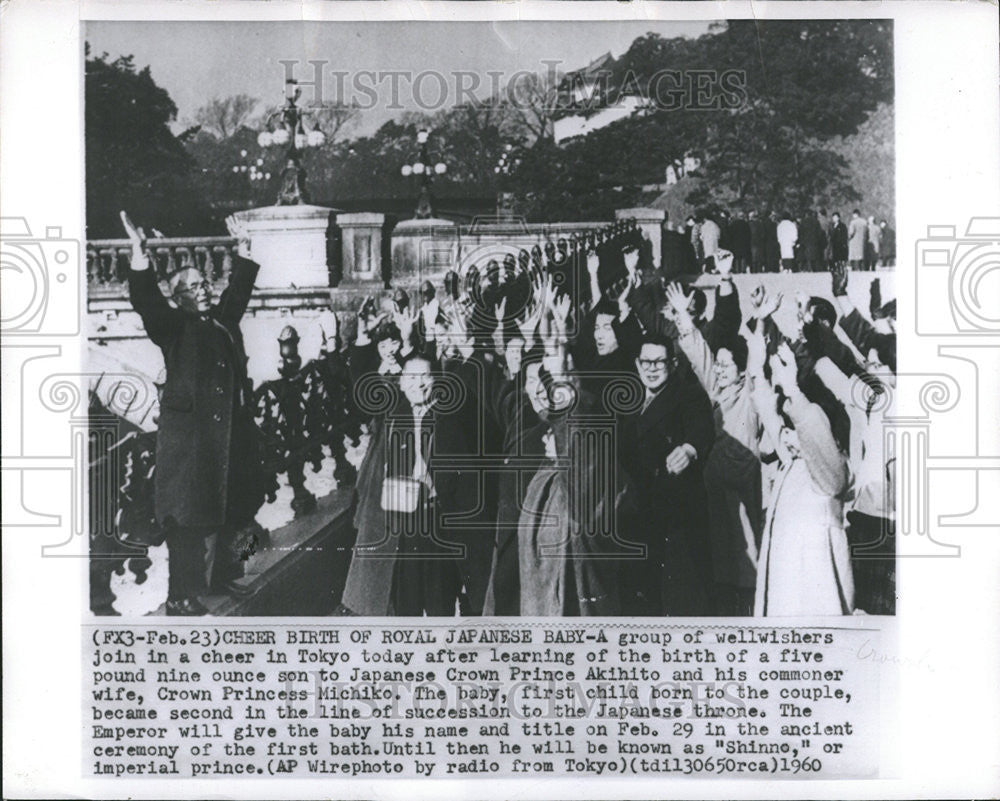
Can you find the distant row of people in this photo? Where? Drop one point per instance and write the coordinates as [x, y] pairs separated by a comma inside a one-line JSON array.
[[771, 242]]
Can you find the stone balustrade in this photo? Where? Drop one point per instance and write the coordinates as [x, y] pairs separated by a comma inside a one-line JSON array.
[[109, 260]]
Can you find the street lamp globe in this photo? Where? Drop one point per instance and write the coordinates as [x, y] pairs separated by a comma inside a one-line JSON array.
[[440, 168], [418, 168], [421, 136], [280, 137], [264, 138], [407, 170], [315, 138]]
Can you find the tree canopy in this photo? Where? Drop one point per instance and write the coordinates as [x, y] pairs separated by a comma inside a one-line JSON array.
[[780, 114], [133, 160]]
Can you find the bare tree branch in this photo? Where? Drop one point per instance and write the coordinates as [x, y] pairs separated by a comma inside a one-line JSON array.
[[224, 116], [334, 118]]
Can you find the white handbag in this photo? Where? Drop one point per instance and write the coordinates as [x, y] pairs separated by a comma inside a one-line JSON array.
[[400, 494]]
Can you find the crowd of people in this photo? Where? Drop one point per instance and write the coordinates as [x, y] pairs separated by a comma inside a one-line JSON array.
[[813, 241], [568, 434], [562, 431]]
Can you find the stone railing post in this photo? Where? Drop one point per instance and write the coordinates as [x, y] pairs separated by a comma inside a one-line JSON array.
[[650, 223], [361, 246]]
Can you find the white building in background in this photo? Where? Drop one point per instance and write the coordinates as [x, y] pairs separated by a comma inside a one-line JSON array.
[[590, 102], [579, 125]]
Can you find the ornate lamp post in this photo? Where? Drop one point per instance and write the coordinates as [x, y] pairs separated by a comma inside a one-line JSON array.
[[423, 168], [286, 126]]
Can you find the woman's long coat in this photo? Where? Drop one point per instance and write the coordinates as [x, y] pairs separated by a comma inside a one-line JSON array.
[[805, 564]]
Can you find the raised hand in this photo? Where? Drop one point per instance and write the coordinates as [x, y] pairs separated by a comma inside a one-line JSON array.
[[135, 234], [838, 278], [631, 261], [367, 318], [365, 312], [139, 260], [500, 310], [676, 299], [724, 262], [459, 330], [430, 311], [538, 282], [784, 372], [756, 349], [593, 262], [405, 319], [874, 296], [238, 230], [769, 304], [560, 307], [529, 323]]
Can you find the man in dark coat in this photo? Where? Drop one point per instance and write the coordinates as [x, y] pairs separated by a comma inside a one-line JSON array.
[[207, 479], [606, 346], [739, 242], [838, 239], [415, 559], [663, 446], [887, 245], [757, 237], [812, 240], [772, 249]]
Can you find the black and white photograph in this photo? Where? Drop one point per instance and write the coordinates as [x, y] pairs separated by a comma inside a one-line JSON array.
[[589, 319], [532, 399]]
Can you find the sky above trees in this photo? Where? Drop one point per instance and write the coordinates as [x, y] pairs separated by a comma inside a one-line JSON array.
[[198, 61], [809, 123]]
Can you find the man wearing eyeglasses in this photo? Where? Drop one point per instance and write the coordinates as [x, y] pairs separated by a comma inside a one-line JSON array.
[[664, 445], [207, 478]]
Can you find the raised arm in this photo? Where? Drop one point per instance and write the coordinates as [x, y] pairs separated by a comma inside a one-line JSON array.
[[764, 397], [827, 465], [691, 341], [724, 326], [363, 353], [861, 332], [236, 298], [159, 318]]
